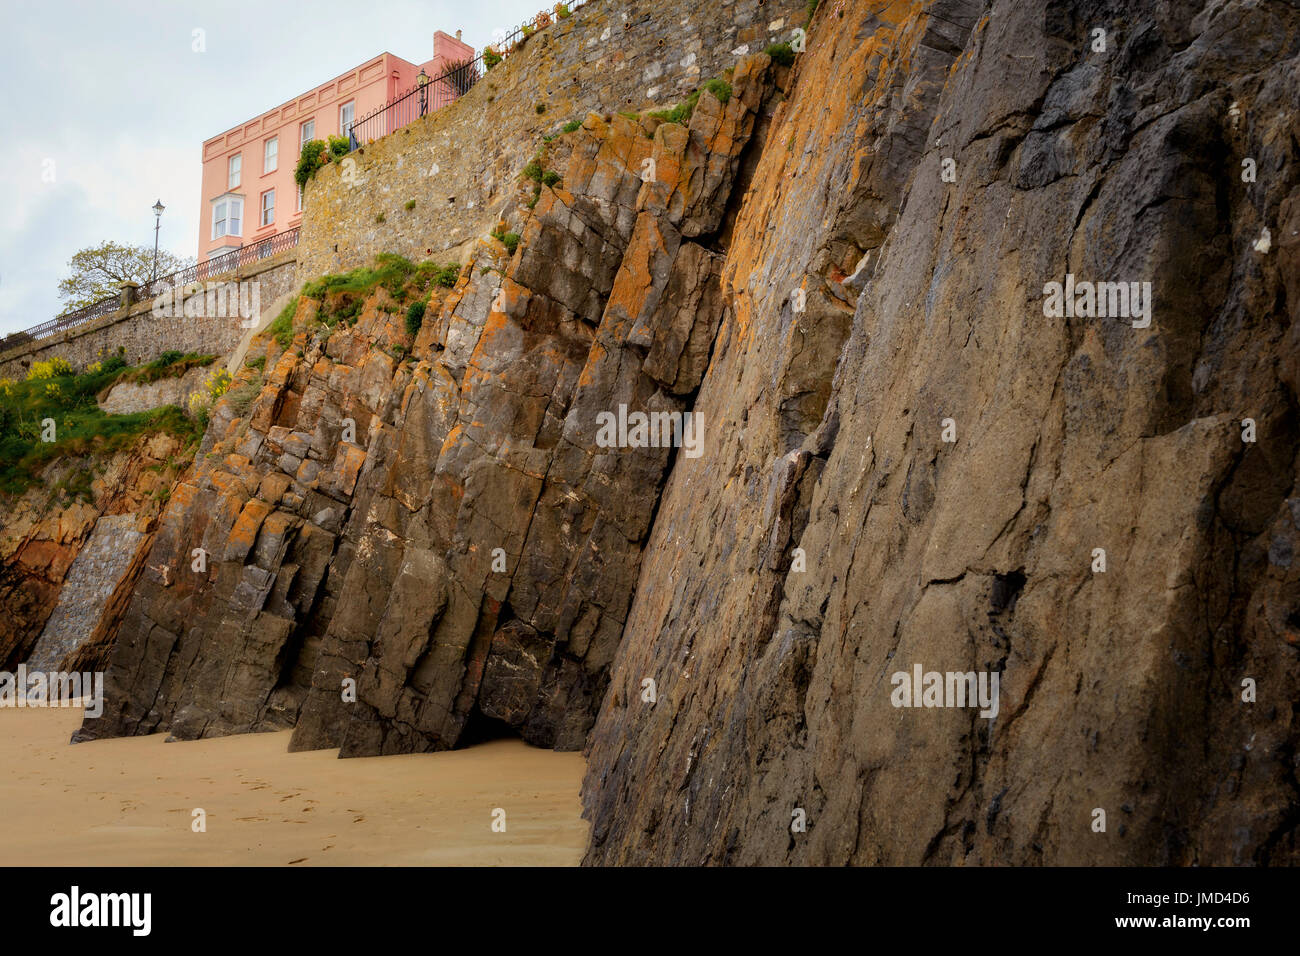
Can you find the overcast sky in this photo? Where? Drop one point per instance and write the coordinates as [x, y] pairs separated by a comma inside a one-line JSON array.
[[110, 97]]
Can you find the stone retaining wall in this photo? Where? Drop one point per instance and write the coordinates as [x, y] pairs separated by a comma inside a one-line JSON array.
[[460, 166], [144, 336]]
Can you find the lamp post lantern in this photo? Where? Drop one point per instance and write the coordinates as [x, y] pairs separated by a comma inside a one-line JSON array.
[[424, 92], [157, 216]]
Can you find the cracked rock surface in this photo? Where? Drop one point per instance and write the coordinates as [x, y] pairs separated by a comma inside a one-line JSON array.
[[467, 550], [1121, 689], [907, 461]]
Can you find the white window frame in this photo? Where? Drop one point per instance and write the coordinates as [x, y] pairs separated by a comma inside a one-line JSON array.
[[299, 209], [225, 211], [263, 209], [346, 126], [234, 170], [305, 136], [270, 155]]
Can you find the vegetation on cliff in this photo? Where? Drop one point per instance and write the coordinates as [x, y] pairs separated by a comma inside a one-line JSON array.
[[315, 154], [54, 413], [343, 295]]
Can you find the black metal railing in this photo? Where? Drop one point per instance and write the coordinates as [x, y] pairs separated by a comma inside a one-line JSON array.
[[69, 320], [419, 100], [220, 265], [200, 272], [445, 89]]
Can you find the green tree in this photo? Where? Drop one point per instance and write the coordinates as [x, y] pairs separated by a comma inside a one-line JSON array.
[[96, 271]]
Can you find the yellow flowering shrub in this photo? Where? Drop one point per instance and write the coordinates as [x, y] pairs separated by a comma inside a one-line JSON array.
[[217, 384], [200, 402], [54, 368]]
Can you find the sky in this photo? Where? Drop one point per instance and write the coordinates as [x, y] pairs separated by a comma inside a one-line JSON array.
[[108, 104]]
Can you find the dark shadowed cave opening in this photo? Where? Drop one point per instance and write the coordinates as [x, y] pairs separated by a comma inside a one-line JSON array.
[[481, 729]]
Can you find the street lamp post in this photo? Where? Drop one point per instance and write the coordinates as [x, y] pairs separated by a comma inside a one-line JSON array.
[[424, 92], [157, 216]]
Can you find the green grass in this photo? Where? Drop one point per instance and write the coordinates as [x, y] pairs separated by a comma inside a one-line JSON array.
[[241, 396], [168, 365], [571, 126], [681, 113], [282, 328], [509, 239], [390, 271], [81, 428], [444, 276], [717, 87], [414, 318], [343, 296], [781, 53], [540, 176]]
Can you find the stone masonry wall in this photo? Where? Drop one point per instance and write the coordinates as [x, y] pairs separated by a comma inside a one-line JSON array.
[[145, 336], [461, 164]]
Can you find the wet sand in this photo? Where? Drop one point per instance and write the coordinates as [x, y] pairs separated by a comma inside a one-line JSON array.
[[129, 802]]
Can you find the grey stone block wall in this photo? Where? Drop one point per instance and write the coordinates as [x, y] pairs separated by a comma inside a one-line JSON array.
[[145, 336]]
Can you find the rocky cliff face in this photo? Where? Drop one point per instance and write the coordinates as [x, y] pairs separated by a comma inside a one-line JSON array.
[[465, 550], [915, 457], [1121, 689], [43, 533]]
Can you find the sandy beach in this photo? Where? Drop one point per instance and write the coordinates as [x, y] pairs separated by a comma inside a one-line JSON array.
[[130, 802]]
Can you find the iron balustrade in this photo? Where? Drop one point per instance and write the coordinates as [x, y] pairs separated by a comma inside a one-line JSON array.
[[222, 264], [200, 272], [443, 90]]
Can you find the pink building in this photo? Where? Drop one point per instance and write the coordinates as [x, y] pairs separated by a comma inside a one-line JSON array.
[[248, 188]]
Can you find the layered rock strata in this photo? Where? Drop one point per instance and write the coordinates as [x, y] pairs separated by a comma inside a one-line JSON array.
[[443, 529], [925, 465]]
